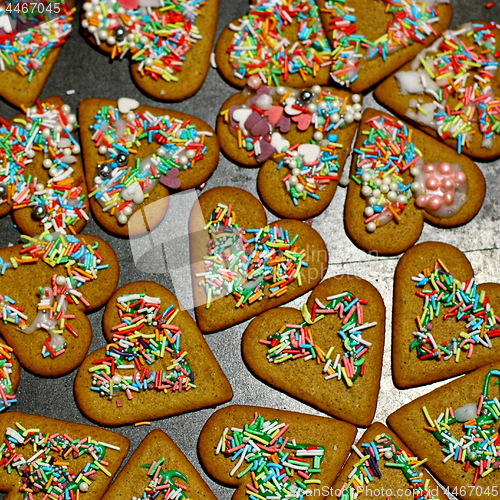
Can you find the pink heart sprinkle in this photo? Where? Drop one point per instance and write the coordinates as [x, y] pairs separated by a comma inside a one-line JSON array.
[[129, 4], [274, 114], [171, 179], [303, 121]]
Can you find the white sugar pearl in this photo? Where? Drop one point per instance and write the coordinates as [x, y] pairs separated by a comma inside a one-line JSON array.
[[392, 196], [356, 107], [357, 116], [366, 177], [293, 180], [87, 6], [66, 108], [372, 201], [348, 117], [318, 136], [58, 128], [72, 118], [116, 379], [377, 182], [182, 160], [371, 226], [369, 211], [386, 181], [296, 172], [102, 150], [161, 152], [30, 153], [356, 98], [103, 34], [191, 153], [83, 487], [130, 116], [61, 280], [53, 171], [335, 118], [122, 219], [85, 24], [39, 187], [97, 180], [130, 37], [315, 89], [67, 151], [111, 40], [148, 61], [127, 210], [394, 186], [299, 188], [402, 199], [144, 40], [416, 187], [384, 188], [366, 191], [76, 149], [312, 107], [92, 29], [376, 193], [46, 132]]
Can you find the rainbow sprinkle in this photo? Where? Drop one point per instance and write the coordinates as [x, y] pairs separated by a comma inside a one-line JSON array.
[[242, 266], [273, 460], [367, 469], [47, 466], [292, 342], [122, 184], [412, 21], [458, 74], [59, 203], [158, 39], [132, 350], [7, 396], [260, 47], [163, 484], [464, 302], [479, 446], [26, 50]]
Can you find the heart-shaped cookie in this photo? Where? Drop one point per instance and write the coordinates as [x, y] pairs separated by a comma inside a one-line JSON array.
[[156, 364], [372, 38], [299, 453], [452, 90], [400, 178], [456, 428], [241, 265], [31, 42], [281, 41], [444, 323], [130, 152], [10, 375], [47, 284], [301, 137], [380, 466], [156, 468], [328, 355], [168, 42], [56, 458], [41, 173]]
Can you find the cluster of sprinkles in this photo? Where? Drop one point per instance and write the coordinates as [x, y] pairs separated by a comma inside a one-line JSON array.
[[47, 469], [292, 342], [82, 262], [367, 469], [123, 183], [163, 484], [34, 35], [261, 44], [464, 302], [458, 73], [271, 111], [411, 22], [384, 160], [279, 467], [7, 395], [58, 202], [158, 38], [242, 261], [479, 447], [134, 348]]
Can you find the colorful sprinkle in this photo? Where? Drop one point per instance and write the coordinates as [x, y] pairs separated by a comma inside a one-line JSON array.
[[293, 342], [464, 302], [157, 38], [367, 469], [163, 484], [7, 395], [134, 347], [479, 446], [241, 262], [272, 460]]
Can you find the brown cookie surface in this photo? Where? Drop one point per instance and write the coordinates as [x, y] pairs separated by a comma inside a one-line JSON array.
[[158, 448], [420, 433], [187, 44], [331, 438], [95, 450], [24, 283], [206, 387], [412, 92], [224, 312], [374, 19], [421, 365], [153, 208], [353, 400], [397, 235]]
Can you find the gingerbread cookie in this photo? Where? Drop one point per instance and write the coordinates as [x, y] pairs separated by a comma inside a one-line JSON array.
[[133, 156], [400, 178], [241, 265], [301, 137], [381, 466], [156, 363], [456, 428], [41, 456], [444, 323], [452, 90], [299, 352], [31, 41], [63, 277], [263, 451], [168, 42], [281, 41], [158, 469], [41, 174], [10, 375], [372, 38]]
